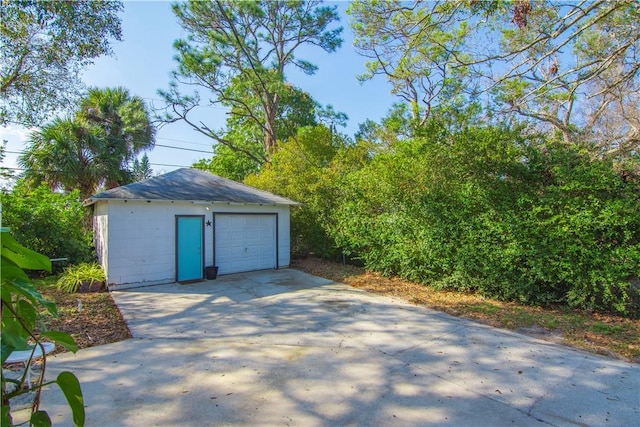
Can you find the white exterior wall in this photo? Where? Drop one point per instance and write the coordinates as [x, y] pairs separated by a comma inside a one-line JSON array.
[[100, 234], [139, 237]]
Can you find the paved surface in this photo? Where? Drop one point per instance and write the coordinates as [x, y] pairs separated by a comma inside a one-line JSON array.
[[286, 348]]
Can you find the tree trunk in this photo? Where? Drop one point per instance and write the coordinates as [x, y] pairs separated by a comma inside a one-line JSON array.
[[270, 112]]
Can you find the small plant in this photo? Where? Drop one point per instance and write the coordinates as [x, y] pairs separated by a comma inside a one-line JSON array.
[[76, 276], [21, 303]]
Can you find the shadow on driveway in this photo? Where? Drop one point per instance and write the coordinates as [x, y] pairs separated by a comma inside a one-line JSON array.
[[286, 348]]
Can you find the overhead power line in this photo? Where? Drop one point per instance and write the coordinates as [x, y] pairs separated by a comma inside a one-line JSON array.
[[182, 148], [173, 166], [55, 170], [156, 145], [203, 144]]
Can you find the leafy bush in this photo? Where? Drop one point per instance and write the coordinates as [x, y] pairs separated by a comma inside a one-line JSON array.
[[483, 209], [307, 168], [50, 223], [21, 303], [77, 275]]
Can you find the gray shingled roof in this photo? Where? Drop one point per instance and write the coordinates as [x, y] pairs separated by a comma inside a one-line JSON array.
[[192, 185]]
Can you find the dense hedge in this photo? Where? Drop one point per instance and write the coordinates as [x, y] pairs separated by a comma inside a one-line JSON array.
[[48, 222], [307, 168], [486, 210]]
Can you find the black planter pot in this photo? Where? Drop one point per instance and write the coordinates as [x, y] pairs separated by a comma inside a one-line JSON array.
[[211, 273]]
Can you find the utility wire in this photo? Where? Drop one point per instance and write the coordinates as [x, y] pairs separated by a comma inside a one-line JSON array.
[[204, 144], [54, 170], [158, 137], [173, 166], [213, 107], [182, 148], [155, 145]]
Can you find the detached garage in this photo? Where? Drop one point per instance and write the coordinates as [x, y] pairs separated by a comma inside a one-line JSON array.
[[171, 227]]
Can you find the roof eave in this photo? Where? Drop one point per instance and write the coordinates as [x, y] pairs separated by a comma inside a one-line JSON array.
[[93, 200]]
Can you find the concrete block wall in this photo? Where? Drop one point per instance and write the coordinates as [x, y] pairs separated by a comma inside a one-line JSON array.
[[135, 240]]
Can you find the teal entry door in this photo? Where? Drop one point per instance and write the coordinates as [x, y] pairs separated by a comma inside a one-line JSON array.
[[189, 248]]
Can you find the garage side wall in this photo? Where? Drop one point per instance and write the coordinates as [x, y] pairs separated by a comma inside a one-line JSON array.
[[101, 233], [140, 249], [284, 237]]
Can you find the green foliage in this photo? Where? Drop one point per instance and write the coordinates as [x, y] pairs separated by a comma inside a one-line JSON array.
[[51, 223], [586, 221], [20, 306], [74, 276], [307, 169], [124, 129], [5, 173], [72, 392], [93, 149], [68, 162], [228, 163], [243, 151], [45, 46], [572, 67], [419, 52], [239, 52], [296, 108], [483, 209], [141, 169]]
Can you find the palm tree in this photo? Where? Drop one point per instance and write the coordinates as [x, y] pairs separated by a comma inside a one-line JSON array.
[[62, 154], [126, 130], [95, 148]]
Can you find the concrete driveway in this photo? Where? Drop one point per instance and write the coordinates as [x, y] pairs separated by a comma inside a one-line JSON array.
[[283, 348]]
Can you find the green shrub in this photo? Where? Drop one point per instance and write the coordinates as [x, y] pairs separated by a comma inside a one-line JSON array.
[[21, 303], [74, 276], [306, 169], [486, 211], [51, 223]]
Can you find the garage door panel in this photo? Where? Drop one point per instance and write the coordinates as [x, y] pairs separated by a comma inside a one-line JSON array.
[[245, 242]]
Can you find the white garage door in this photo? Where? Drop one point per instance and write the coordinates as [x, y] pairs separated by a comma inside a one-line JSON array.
[[245, 242]]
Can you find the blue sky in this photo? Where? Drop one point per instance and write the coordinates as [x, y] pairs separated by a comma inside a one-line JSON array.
[[142, 63]]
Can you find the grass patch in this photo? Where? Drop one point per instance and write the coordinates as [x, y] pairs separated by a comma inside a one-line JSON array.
[[605, 329], [485, 308], [90, 318], [606, 334]]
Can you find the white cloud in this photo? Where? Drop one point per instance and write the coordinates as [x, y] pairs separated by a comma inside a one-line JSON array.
[[15, 139]]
